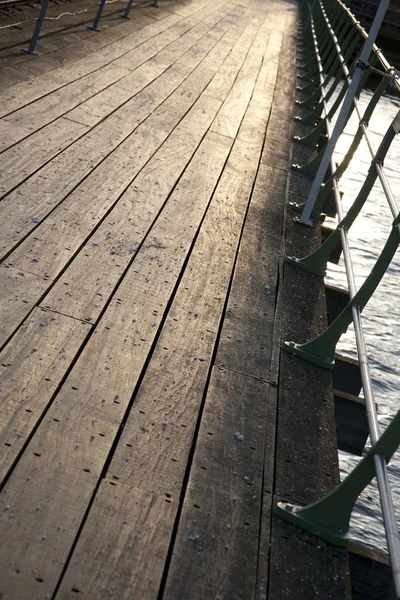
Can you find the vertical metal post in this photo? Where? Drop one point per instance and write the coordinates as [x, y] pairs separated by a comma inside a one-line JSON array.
[[98, 16], [38, 27], [341, 120], [127, 11]]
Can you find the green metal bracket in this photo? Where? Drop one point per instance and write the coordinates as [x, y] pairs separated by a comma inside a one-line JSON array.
[[312, 138], [311, 100], [329, 518], [321, 350], [311, 167], [327, 187], [339, 76], [308, 88], [316, 261]]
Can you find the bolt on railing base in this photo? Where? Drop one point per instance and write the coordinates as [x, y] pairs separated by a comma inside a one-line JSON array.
[[308, 223], [326, 362], [297, 206], [293, 514]]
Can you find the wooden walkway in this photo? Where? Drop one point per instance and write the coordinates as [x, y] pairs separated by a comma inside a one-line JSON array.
[[143, 185]]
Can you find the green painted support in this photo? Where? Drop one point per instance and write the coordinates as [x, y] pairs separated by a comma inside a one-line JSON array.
[[307, 88], [321, 350], [337, 174], [312, 138], [329, 518], [316, 262], [331, 65], [349, 51], [310, 101], [311, 167]]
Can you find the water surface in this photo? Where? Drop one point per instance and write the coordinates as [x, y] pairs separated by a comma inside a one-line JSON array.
[[381, 317]]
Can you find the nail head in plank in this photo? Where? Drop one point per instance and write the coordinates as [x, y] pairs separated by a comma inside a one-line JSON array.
[[33, 363]]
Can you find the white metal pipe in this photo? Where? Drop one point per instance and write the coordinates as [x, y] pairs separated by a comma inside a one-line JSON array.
[[386, 499], [341, 120]]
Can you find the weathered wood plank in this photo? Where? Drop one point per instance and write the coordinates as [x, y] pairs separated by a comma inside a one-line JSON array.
[[247, 333], [43, 111], [118, 352], [306, 564], [175, 379], [170, 39], [29, 204], [112, 395], [61, 101], [216, 547], [278, 144], [11, 133], [22, 160], [25, 92], [66, 28], [46, 246], [175, 402], [19, 292], [228, 119], [33, 365], [89, 282], [222, 467], [98, 107], [136, 524]]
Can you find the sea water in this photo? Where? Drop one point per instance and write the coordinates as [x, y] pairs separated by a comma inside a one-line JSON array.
[[381, 317]]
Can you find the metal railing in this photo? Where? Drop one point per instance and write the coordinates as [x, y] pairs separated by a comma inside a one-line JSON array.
[[332, 38], [43, 12]]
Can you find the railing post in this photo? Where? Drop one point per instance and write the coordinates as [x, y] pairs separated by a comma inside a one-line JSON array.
[[337, 174], [95, 26], [316, 261], [38, 27], [342, 117], [321, 350], [127, 10]]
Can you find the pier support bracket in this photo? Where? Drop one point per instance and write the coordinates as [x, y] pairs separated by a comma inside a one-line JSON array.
[[321, 350], [329, 518]]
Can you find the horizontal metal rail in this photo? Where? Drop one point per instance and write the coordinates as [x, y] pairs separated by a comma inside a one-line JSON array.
[[378, 53], [344, 112], [318, 517]]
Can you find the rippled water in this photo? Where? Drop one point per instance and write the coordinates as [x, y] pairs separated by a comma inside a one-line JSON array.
[[381, 317]]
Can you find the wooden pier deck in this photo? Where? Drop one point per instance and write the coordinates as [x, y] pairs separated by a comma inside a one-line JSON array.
[[143, 183]]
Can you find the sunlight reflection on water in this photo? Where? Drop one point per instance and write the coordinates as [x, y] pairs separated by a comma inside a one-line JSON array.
[[381, 317]]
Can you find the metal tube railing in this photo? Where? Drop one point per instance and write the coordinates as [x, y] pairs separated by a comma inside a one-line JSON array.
[[342, 117], [318, 517], [380, 56], [42, 18]]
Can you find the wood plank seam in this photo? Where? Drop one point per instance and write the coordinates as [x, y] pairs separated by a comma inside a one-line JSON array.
[[5, 474], [128, 36], [246, 213], [100, 222], [110, 85], [187, 475], [270, 442], [115, 112], [271, 382]]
